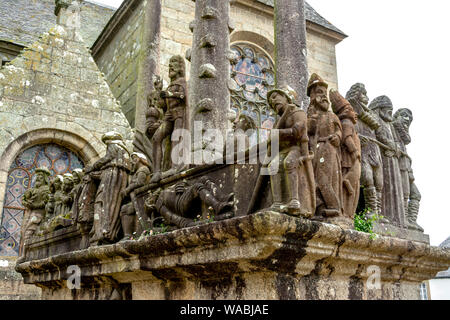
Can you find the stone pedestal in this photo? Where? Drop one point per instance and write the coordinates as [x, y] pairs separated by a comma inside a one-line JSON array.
[[262, 256]]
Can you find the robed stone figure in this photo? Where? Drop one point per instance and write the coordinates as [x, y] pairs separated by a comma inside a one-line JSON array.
[[325, 135], [111, 173], [392, 203]]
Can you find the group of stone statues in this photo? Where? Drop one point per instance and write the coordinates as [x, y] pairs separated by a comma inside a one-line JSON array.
[[319, 155], [339, 146], [386, 174], [325, 156]]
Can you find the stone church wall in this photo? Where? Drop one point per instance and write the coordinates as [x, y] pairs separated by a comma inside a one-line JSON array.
[[119, 60], [52, 93]]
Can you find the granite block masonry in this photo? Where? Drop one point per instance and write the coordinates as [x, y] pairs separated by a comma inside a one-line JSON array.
[[53, 92]]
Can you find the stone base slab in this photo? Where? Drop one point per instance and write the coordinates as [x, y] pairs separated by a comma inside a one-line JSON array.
[[261, 256], [390, 230]]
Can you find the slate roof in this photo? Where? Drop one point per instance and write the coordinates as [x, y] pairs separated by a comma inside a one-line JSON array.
[[23, 21], [312, 16], [445, 244]]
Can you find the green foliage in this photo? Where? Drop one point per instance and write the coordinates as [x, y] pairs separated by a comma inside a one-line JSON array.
[[364, 222]]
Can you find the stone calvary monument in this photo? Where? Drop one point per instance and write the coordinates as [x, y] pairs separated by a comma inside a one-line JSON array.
[[185, 213]]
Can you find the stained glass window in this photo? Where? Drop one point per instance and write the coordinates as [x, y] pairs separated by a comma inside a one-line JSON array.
[[57, 159], [252, 77]]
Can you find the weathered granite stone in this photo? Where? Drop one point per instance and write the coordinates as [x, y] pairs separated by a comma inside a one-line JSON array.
[[261, 256], [371, 163], [392, 201], [290, 47], [325, 136], [210, 66]]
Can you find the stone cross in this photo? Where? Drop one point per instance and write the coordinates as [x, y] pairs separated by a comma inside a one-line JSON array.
[[148, 59], [209, 99], [290, 47]]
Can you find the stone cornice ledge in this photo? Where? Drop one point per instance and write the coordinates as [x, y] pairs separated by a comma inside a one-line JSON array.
[[263, 242]]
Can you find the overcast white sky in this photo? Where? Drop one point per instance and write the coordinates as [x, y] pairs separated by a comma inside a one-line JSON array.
[[401, 49]]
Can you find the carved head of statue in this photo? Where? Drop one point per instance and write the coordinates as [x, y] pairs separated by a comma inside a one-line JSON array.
[[383, 106], [137, 159], [278, 99], [42, 177], [404, 116], [68, 182], [77, 176], [57, 182], [318, 92], [177, 67], [358, 93]]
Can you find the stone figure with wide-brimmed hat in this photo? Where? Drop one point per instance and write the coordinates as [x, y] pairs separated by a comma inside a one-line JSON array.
[[291, 173], [325, 135]]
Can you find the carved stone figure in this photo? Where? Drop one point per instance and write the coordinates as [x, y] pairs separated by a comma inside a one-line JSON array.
[[243, 127], [350, 152], [57, 183], [392, 202], [182, 203], [34, 201], [140, 177], [111, 172], [78, 175], [84, 206], [175, 114], [325, 136], [156, 106], [411, 194], [67, 198], [371, 163], [293, 181]]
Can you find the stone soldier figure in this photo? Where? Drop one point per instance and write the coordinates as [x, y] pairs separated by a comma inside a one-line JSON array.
[[371, 163], [34, 201], [350, 151], [156, 107], [111, 172], [292, 183], [392, 202], [78, 175], [140, 177], [175, 116], [180, 204], [67, 199], [325, 135], [411, 194]]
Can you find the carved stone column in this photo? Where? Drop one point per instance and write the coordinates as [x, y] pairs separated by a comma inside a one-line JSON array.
[[149, 59], [290, 47], [209, 96]]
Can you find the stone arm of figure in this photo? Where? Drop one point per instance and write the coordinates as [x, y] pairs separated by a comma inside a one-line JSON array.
[[347, 140], [139, 181], [110, 155], [67, 199], [337, 136], [174, 92], [297, 131], [382, 137]]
